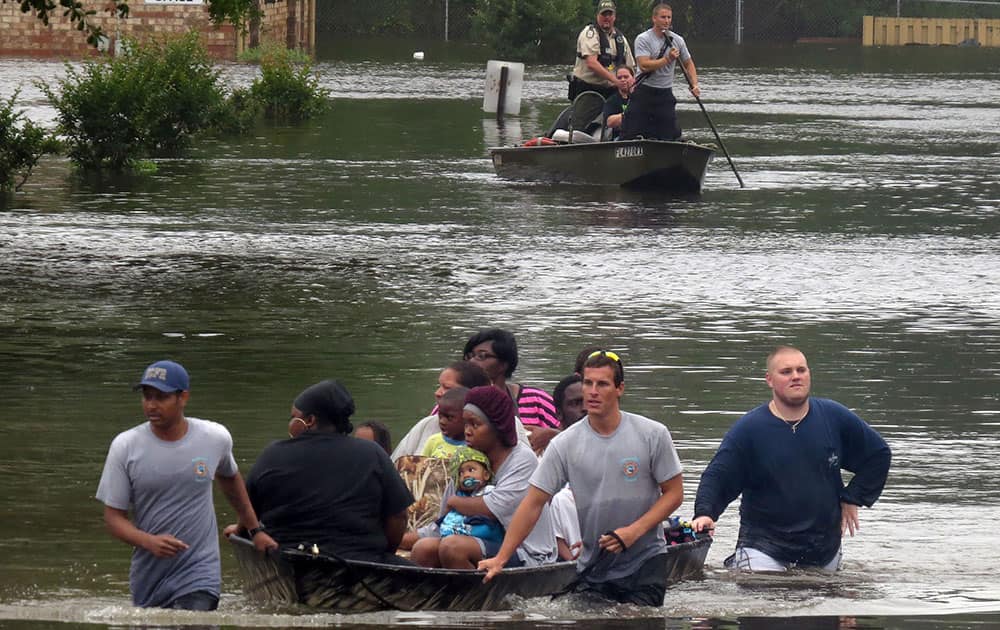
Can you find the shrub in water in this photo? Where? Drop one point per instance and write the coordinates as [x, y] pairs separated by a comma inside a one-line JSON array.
[[22, 143], [149, 101], [286, 90]]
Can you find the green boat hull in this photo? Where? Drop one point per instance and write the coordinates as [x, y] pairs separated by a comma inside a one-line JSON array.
[[652, 164]]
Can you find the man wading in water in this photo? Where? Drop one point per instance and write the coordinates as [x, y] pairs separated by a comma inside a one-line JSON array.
[[626, 478], [785, 458]]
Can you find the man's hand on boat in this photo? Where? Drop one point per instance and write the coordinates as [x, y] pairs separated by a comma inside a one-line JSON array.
[[262, 541], [703, 524], [493, 566]]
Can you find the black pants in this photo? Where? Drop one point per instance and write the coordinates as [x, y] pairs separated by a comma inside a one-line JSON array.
[[576, 86], [198, 600], [652, 114], [646, 587]]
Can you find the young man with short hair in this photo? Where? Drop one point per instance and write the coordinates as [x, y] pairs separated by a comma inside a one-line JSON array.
[[652, 110], [626, 478], [785, 457], [162, 471]]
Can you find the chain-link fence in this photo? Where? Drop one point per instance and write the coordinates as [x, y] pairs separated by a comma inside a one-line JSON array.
[[426, 19], [706, 20]]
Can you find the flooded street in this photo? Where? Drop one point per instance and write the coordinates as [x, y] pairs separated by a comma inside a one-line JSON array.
[[368, 245]]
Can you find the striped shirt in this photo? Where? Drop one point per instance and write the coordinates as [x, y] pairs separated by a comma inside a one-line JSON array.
[[536, 408]]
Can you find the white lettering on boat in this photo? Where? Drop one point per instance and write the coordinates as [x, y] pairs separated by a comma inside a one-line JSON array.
[[629, 151]]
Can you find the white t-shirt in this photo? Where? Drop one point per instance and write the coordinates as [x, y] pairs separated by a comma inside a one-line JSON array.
[[564, 518]]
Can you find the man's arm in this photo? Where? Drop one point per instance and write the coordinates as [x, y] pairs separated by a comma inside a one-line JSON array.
[[721, 482], [539, 437], [160, 545], [524, 520], [601, 71], [649, 64], [469, 506], [692, 74], [236, 493], [671, 497]]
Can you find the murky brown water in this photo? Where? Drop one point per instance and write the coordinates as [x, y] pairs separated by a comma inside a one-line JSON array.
[[369, 245]]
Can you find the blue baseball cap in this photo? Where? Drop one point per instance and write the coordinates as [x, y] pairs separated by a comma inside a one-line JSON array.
[[165, 376]]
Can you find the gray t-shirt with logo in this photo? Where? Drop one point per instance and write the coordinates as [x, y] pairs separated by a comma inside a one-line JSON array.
[[168, 488], [615, 479]]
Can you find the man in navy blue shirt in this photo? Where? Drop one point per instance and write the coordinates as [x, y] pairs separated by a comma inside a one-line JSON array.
[[785, 457]]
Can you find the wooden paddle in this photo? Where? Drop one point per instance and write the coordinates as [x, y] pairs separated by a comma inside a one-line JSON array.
[[710, 123]]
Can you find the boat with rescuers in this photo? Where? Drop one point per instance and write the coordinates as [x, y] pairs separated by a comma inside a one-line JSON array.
[[578, 150], [650, 164]]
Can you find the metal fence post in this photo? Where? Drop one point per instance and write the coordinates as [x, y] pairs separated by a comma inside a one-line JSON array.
[[739, 22]]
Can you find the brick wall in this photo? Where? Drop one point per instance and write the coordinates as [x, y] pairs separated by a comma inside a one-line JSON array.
[[24, 35]]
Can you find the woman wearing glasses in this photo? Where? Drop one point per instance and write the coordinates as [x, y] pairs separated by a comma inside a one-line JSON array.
[[495, 350]]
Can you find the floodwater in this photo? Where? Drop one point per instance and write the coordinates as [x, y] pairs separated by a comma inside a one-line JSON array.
[[368, 245]]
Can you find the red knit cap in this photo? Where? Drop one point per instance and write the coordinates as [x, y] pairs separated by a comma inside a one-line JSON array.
[[498, 408]]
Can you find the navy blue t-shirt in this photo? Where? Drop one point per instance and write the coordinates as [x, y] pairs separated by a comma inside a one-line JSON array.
[[791, 480]]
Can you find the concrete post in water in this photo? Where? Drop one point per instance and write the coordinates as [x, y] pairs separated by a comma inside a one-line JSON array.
[[502, 93]]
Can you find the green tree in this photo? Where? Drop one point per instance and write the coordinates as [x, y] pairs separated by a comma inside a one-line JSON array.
[[531, 30], [22, 143], [235, 12], [546, 30]]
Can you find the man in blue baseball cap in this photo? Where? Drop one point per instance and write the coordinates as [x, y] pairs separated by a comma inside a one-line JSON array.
[[162, 472]]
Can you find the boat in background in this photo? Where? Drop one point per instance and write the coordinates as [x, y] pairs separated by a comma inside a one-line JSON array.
[[578, 149], [651, 164]]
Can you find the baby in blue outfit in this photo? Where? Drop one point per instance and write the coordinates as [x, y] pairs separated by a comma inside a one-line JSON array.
[[471, 474]]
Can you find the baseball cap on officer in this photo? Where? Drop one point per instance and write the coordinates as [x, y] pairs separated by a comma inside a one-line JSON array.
[[165, 376], [606, 5]]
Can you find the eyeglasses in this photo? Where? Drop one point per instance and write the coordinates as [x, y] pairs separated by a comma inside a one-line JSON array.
[[605, 353], [482, 355]]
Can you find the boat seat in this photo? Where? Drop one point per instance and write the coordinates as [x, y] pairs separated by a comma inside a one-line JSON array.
[[587, 115], [579, 137]]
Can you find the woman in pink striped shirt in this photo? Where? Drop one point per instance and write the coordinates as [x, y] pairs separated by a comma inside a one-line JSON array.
[[495, 350]]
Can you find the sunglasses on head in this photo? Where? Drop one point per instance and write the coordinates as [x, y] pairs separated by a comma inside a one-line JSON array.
[[605, 353]]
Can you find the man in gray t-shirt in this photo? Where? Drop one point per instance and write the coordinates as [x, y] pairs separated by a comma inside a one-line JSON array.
[[652, 108], [162, 470], [626, 478]]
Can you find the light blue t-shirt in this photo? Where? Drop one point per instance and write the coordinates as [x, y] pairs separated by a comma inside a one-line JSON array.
[[648, 44], [615, 479], [168, 488]]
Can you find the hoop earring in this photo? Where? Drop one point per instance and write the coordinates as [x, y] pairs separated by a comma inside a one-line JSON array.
[[304, 424]]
